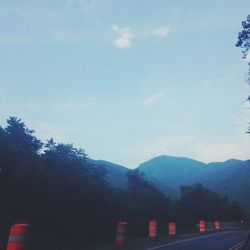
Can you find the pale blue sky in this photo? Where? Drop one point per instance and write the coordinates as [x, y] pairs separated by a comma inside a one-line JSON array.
[[128, 80]]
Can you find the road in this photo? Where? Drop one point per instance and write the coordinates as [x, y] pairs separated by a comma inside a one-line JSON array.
[[220, 241]]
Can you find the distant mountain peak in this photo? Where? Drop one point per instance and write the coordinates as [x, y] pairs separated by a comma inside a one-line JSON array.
[[168, 158], [229, 178]]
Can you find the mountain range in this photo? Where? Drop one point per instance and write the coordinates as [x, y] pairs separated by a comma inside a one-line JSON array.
[[230, 178]]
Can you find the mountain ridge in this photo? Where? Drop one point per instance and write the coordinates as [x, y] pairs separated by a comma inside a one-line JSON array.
[[229, 178]]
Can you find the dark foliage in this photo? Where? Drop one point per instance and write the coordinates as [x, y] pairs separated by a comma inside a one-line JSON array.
[[244, 43], [200, 202], [244, 39], [145, 202], [67, 200]]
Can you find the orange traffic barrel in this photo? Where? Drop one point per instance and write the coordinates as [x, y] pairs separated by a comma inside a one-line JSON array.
[[172, 229], [19, 236], [152, 229], [121, 233], [202, 226], [217, 225]]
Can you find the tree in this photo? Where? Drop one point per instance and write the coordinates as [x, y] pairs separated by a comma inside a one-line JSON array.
[[21, 138], [197, 202], [19, 160], [68, 201], [244, 43], [54, 187], [145, 202]]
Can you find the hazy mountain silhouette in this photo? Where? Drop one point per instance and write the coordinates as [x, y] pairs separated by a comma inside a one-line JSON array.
[[230, 178], [169, 173], [115, 174]]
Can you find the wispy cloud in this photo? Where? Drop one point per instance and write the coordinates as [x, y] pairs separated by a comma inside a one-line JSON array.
[[190, 147], [127, 35], [219, 80], [152, 99], [161, 31]]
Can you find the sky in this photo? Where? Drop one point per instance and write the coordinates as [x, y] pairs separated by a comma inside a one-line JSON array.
[[128, 80]]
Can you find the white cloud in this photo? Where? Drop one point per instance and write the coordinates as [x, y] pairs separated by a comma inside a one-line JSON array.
[[152, 99], [161, 31], [125, 36], [122, 42]]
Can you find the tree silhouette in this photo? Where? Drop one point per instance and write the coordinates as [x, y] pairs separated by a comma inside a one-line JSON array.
[[244, 43], [67, 200]]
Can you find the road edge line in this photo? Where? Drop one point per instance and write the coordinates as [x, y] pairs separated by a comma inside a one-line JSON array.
[[186, 240], [238, 245]]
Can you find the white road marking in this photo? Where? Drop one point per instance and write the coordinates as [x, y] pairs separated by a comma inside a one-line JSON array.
[[238, 245], [187, 240]]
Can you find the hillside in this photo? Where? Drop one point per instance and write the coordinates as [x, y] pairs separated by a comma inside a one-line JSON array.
[[169, 173], [115, 174], [230, 178]]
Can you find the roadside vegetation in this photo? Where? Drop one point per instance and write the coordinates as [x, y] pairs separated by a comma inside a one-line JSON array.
[[68, 202]]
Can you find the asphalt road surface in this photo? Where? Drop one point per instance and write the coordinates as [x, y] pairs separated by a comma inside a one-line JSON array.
[[221, 241]]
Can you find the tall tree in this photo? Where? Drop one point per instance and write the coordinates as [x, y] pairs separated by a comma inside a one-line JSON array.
[[244, 43], [145, 202], [21, 138]]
